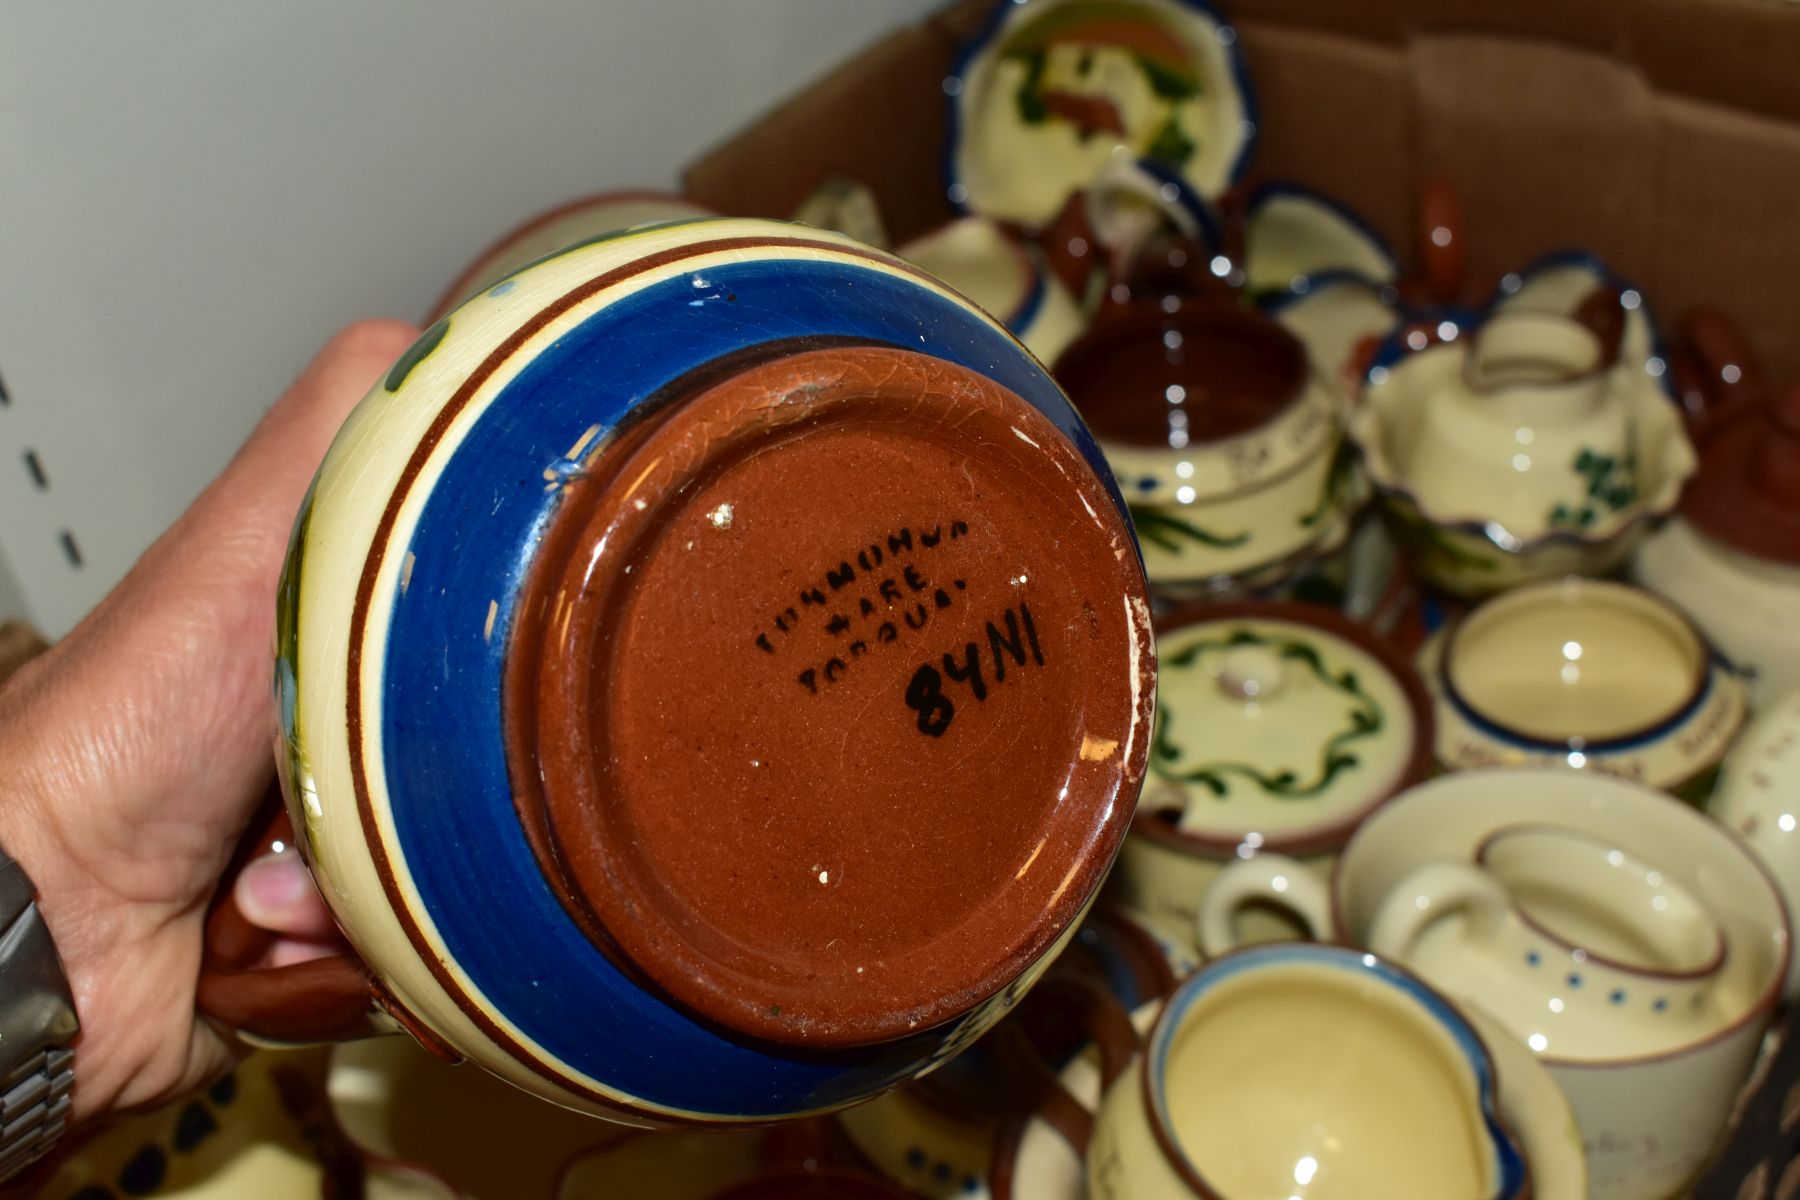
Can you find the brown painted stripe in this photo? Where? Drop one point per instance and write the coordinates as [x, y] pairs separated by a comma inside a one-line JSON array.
[[365, 596]]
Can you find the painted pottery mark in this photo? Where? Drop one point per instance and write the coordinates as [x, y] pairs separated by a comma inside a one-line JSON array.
[[925, 692], [870, 598]]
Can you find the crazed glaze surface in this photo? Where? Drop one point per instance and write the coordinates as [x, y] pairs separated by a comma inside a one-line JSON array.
[[404, 586]]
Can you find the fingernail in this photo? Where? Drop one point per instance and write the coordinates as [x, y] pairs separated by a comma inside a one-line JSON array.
[[271, 887]]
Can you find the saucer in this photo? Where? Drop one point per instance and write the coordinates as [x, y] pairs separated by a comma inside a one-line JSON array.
[[1050, 91]]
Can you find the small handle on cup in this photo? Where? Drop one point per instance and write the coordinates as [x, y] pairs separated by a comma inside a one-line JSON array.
[[1443, 252], [1114, 1035], [1266, 879], [1430, 894], [330, 999]]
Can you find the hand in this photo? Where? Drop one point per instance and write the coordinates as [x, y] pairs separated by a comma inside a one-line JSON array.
[[133, 754]]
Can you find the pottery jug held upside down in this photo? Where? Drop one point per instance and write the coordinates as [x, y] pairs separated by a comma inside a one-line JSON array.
[[715, 674]]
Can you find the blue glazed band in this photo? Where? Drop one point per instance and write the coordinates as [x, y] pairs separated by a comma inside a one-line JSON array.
[[446, 778]]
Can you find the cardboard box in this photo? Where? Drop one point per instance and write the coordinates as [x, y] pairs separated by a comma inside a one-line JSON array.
[[1663, 134]]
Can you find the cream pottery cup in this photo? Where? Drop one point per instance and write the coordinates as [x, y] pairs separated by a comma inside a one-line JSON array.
[[1588, 675], [1516, 451], [1529, 432], [1224, 441], [981, 260], [1279, 728], [1759, 796], [1588, 952], [1648, 1120], [1258, 1080]]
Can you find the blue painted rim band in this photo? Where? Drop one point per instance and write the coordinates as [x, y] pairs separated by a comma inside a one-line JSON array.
[[1224, 33], [439, 709], [1509, 1166]]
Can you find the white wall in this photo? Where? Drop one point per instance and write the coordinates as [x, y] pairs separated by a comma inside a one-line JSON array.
[[195, 193]]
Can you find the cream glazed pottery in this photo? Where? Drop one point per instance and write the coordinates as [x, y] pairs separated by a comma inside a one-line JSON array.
[[1256, 1082], [1648, 1121], [1292, 234], [1758, 795], [580, 606], [562, 227], [1588, 675], [1588, 951], [1279, 728], [1335, 316], [1566, 281], [1051, 90], [1225, 443], [1518, 450], [1731, 558], [1005, 276]]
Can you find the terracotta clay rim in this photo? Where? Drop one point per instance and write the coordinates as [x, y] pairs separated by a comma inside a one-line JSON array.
[[1130, 329], [1723, 501], [448, 300], [1419, 762], [930, 984]]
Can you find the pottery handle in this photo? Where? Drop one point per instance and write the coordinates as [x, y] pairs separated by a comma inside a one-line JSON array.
[[1430, 894], [1443, 252], [328, 999], [1266, 879], [1107, 1022], [1718, 367]]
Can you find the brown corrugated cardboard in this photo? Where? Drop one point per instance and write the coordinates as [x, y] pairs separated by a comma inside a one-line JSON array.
[[1664, 134]]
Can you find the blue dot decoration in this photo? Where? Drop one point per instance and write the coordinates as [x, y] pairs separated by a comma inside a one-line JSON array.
[[1574, 980], [915, 1157], [1147, 483], [145, 1172], [1533, 958], [1618, 996], [503, 287], [1662, 1003], [224, 1091], [942, 1172], [971, 1184]]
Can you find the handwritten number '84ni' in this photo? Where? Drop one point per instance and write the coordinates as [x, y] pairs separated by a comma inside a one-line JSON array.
[[925, 692]]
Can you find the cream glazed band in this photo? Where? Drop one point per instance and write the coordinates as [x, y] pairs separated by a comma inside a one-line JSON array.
[[421, 859]]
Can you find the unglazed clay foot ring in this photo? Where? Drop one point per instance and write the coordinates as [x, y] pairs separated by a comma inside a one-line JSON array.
[[783, 603]]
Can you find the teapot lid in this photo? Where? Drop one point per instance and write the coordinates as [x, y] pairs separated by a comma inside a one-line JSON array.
[[1279, 727], [1746, 493], [830, 693]]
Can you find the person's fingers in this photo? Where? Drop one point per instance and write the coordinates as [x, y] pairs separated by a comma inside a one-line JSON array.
[[276, 892], [289, 951], [179, 652]]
